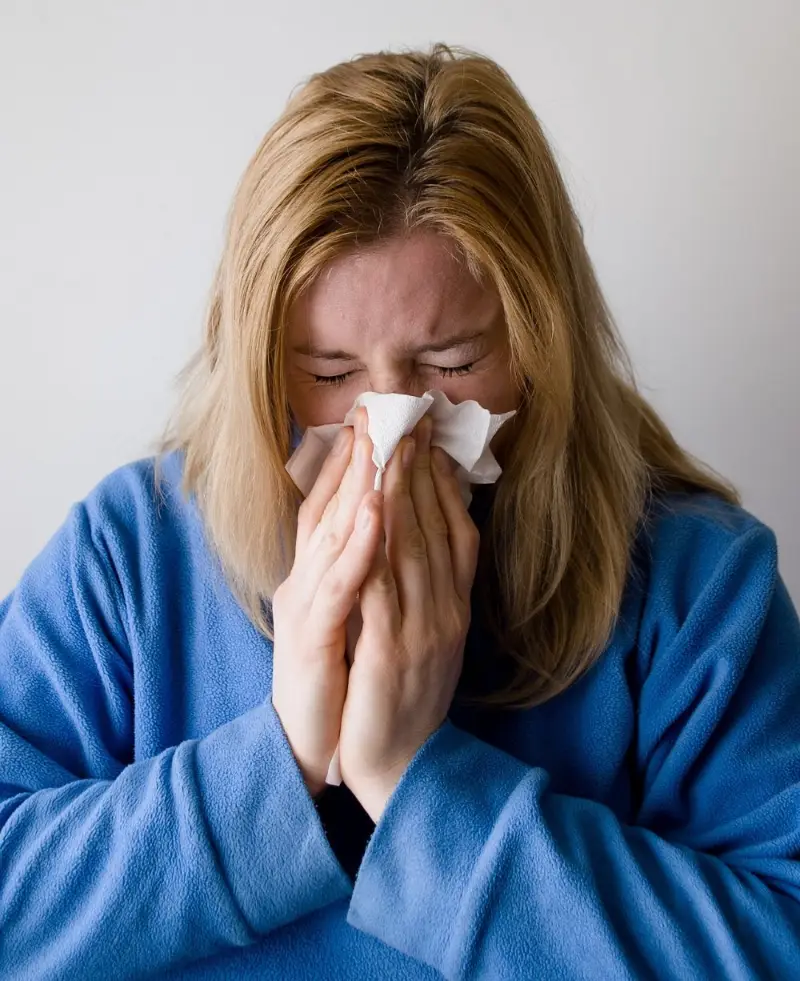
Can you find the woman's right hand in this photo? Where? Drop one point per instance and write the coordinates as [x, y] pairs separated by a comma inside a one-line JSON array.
[[338, 531]]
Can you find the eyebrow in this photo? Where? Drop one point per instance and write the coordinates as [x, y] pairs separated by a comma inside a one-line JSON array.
[[310, 351]]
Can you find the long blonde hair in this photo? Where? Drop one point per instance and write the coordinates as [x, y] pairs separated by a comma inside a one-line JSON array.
[[386, 144]]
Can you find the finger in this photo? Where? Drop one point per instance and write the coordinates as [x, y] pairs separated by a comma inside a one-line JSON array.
[[463, 535], [339, 587], [330, 537], [360, 475], [378, 596], [361, 421], [337, 476], [406, 548], [359, 478], [325, 486], [429, 515]]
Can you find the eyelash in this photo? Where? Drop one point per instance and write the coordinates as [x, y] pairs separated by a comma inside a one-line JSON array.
[[463, 369]]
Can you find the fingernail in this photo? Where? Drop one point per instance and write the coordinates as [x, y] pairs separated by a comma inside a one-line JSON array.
[[366, 516], [340, 442], [408, 454], [422, 435]]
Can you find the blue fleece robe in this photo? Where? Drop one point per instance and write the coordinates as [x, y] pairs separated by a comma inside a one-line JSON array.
[[153, 822]]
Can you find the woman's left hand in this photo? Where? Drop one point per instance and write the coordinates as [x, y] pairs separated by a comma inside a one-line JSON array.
[[415, 608]]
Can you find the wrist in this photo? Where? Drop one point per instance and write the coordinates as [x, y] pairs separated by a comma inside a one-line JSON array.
[[315, 788], [373, 795]]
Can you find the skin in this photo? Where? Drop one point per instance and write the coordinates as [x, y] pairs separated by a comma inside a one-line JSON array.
[[380, 310], [401, 317]]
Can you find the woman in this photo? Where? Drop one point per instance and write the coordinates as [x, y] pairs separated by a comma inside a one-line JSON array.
[[570, 744]]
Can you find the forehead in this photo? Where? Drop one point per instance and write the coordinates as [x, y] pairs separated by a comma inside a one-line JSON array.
[[412, 289]]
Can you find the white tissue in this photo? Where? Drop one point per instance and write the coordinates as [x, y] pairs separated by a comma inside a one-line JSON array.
[[464, 430]]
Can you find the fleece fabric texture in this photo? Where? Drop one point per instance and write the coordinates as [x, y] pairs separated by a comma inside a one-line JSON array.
[[153, 822]]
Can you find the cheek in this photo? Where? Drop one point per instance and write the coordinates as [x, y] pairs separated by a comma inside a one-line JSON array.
[[492, 386]]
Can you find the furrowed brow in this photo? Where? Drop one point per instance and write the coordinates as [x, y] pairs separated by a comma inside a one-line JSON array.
[[323, 354], [311, 351]]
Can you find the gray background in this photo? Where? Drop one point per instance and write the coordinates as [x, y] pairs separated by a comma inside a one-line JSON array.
[[125, 126]]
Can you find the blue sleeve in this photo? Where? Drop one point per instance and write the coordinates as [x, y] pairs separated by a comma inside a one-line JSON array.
[[114, 868], [478, 869]]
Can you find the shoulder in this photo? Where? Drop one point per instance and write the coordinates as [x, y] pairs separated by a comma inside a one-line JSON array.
[[706, 572], [141, 494], [685, 540], [139, 517], [120, 546], [716, 659], [136, 490], [700, 517]]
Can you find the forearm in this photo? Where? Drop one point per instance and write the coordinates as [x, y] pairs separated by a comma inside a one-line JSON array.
[[180, 857], [479, 871]]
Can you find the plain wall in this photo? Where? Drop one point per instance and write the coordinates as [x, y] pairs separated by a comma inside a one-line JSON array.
[[124, 128]]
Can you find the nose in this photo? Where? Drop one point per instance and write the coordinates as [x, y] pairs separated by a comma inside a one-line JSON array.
[[395, 380]]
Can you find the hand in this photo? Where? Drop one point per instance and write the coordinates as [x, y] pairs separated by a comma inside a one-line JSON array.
[[338, 532], [415, 606]]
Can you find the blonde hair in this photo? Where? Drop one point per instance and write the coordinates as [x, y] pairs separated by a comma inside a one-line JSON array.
[[386, 144]]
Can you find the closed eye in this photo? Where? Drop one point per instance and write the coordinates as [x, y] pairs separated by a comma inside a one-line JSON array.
[[462, 369], [332, 379]]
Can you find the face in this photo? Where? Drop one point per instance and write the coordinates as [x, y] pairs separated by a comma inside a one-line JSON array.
[[403, 317]]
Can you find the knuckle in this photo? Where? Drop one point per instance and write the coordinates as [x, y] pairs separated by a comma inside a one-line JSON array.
[[334, 587], [437, 527], [416, 544], [393, 491], [422, 460], [384, 579], [332, 542]]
